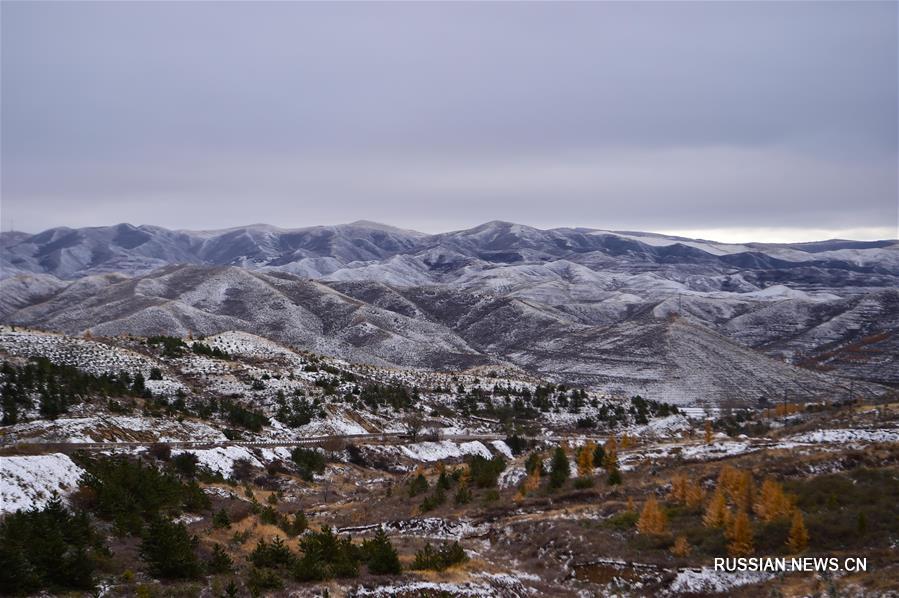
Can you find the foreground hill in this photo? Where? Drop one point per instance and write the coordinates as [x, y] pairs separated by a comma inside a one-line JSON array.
[[235, 466]]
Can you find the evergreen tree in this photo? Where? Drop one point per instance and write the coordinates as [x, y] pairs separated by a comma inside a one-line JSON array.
[[220, 562], [599, 456], [614, 478], [560, 471], [221, 520], [50, 548], [381, 555], [168, 550], [417, 485], [463, 493]]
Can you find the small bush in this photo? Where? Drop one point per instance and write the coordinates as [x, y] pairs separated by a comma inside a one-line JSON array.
[[440, 558], [308, 462]]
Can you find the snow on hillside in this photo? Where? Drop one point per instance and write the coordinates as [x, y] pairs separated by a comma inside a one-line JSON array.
[[707, 580], [112, 428], [444, 449], [221, 459], [87, 355], [847, 436], [663, 427], [32, 481]]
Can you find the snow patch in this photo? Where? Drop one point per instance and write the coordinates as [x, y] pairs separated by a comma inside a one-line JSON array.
[[31, 481]]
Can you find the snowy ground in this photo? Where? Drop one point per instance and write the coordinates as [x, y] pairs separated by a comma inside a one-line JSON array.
[[221, 459], [32, 481], [707, 580]]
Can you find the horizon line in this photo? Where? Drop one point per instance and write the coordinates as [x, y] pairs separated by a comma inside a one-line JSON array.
[[759, 235]]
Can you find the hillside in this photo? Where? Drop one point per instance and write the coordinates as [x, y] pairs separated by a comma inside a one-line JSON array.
[[658, 355]]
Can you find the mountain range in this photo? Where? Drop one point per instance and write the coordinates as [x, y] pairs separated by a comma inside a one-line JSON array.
[[670, 318]]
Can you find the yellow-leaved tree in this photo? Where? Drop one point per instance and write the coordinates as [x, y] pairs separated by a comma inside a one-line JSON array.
[[652, 518], [797, 541], [772, 503], [610, 462], [585, 460], [681, 547], [716, 514], [740, 535]]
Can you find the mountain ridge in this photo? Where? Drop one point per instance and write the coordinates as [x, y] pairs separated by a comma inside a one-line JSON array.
[[498, 293]]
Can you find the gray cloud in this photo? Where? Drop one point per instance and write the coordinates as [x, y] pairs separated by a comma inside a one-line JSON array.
[[661, 116]]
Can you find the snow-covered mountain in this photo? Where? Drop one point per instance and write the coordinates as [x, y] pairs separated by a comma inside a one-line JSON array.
[[667, 317], [373, 249]]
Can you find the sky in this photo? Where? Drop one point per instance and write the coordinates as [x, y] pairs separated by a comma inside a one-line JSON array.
[[733, 121]]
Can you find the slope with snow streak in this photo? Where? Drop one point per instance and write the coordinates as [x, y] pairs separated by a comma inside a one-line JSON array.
[[32, 481]]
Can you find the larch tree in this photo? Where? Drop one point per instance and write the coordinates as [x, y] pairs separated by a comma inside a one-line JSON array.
[[772, 503], [740, 536], [532, 481], [681, 547], [585, 460], [611, 458], [716, 512], [685, 491], [652, 518], [797, 541], [678, 491]]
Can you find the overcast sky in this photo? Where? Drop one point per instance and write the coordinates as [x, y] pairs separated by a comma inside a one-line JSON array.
[[735, 121]]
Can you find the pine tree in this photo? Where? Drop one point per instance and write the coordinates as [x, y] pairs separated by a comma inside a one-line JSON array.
[[382, 556], [681, 547], [716, 512], [740, 535], [797, 541], [599, 456], [168, 549], [221, 520], [560, 471], [585, 460], [614, 478], [652, 518], [463, 494], [220, 562], [231, 590]]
